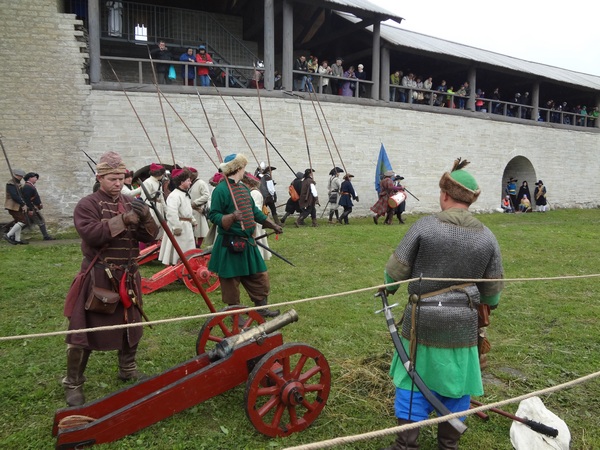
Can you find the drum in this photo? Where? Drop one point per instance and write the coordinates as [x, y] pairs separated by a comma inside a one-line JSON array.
[[396, 199]]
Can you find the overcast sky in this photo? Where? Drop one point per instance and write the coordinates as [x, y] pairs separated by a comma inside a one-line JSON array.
[[561, 34]]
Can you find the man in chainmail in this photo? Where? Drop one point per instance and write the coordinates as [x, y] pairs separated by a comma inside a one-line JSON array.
[[451, 244]]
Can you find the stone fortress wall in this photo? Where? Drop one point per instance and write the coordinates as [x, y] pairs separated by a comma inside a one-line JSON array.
[[49, 115]]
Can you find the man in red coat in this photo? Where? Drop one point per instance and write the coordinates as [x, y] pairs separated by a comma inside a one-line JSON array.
[[204, 58], [111, 226], [386, 190]]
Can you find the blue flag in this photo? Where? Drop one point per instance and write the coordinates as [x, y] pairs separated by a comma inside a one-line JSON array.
[[383, 165]]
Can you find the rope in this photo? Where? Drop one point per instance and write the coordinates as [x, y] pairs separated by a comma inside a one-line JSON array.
[[389, 431], [285, 304], [74, 420]]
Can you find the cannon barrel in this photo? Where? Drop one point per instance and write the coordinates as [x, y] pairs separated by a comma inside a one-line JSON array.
[[228, 345]]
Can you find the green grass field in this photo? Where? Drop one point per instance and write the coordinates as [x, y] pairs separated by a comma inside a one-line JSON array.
[[543, 333]]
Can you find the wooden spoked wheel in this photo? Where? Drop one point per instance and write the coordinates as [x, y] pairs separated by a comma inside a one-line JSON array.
[[287, 389], [218, 328], [199, 265]]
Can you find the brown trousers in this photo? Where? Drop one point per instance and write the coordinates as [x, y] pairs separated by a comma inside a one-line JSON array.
[[257, 286]]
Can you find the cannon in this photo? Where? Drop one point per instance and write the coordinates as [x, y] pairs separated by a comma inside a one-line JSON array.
[[287, 387], [197, 261]]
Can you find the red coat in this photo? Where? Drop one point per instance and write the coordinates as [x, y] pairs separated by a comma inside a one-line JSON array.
[[203, 59], [386, 189], [98, 221]]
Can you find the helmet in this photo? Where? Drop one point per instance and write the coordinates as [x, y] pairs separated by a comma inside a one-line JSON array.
[[259, 65]]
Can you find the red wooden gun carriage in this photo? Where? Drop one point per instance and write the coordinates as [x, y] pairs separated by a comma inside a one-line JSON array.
[[287, 387], [198, 263]]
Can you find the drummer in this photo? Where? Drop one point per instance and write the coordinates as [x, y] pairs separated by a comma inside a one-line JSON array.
[[386, 191], [400, 207]]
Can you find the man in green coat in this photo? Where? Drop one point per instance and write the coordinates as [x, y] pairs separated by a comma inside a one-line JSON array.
[[440, 326], [235, 256]]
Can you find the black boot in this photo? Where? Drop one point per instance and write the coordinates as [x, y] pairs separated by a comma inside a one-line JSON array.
[[127, 365], [44, 231], [447, 436], [406, 440], [276, 219], [337, 215], [77, 359], [285, 216], [389, 217], [266, 312], [331, 216]]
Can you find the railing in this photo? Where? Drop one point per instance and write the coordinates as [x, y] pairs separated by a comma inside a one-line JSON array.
[[361, 87], [452, 100], [139, 70]]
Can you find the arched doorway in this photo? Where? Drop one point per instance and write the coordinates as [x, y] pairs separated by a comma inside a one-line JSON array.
[[521, 169]]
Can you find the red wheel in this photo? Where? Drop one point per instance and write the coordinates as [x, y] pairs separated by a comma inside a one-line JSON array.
[[287, 389], [218, 328], [199, 265]]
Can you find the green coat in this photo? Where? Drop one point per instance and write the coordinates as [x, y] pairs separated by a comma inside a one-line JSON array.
[[222, 261]]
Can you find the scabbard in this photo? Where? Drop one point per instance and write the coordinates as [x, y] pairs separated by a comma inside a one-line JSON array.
[[412, 373]]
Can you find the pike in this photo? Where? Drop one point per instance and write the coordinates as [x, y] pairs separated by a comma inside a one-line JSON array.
[[440, 408], [89, 157], [411, 194], [213, 140], [12, 176], [135, 112], [234, 120], [535, 426], [262, 119], [161, 105], [261, 132], [327, 123]]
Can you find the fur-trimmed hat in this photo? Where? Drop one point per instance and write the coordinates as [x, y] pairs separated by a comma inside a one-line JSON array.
[[111, 162], [31, 175], [232, 163], [180, 175], [460, 184]]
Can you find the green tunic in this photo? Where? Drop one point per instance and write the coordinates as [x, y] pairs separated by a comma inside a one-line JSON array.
[[450, 244], [222, 261]]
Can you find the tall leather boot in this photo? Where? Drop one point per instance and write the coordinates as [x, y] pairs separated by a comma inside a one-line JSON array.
[[300, 220], [406, 440], [331, 216], [127, 365], [447, 436], [44, 231], [337, 214], [266, 312], [344, 217], [314, 223], [276, 218], [77, 359], [285, 216], [389, 217]]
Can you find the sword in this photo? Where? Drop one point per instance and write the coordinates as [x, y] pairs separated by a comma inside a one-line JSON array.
[[275, 253], [411, 194], [440, 408]]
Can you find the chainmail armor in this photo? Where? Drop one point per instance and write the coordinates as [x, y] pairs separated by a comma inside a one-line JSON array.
[[439, 249]]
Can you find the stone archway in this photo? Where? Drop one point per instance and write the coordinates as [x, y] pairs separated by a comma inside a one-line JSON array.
[[520, 168]]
